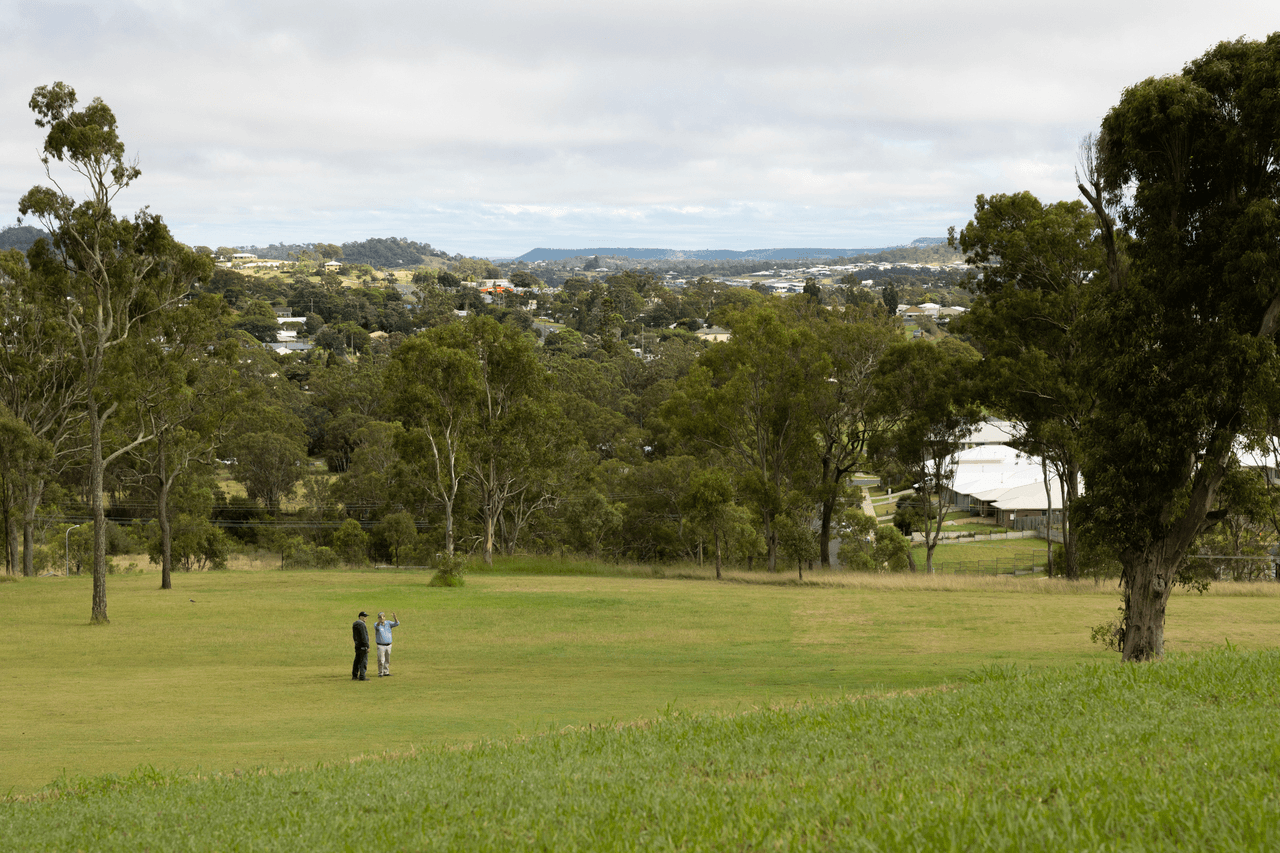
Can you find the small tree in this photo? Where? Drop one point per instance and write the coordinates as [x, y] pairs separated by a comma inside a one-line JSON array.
[[709, 505], [925, 387], [351, 542], [857, 541], [889, 295], [892, 551], [798, 532], [399, 531], [195, 544], [269, 466]]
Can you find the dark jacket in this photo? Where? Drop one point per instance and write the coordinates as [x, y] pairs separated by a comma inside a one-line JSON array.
[[360, 634]]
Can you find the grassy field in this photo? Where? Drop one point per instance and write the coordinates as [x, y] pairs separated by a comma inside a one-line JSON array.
[[1091, 757], [255, 671], [1001, 555]]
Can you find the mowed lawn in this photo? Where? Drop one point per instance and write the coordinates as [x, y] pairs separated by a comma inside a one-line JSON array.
[[255, 672]]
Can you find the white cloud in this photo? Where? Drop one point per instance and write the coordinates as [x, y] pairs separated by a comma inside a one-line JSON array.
[[494, 126]]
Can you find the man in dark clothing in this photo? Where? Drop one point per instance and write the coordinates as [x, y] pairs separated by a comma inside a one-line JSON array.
[[360, 634]]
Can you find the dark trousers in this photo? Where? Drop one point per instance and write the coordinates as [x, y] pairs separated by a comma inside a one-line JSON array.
[[361, 662]]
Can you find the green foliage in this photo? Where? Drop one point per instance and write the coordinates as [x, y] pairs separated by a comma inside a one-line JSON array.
[[298, 553], [269, 465], [232, 286], [81, 545], [857, 540], [524, 278], [328, 251], [926, 393], [889, 295], [474, 269], [382, 252], [1183, 344], [197, 544], [114, 280], [398, 531], [1110, 635], [866, 546], [351, 543], [1041, 268], [749, 402], [262, 330], [449, 570]]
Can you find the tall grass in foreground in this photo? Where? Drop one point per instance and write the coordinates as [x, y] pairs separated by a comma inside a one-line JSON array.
[[1180, 755]]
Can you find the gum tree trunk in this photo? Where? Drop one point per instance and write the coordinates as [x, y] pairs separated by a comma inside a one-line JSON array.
[[1148, 583], [1149, 573], [98, 616]]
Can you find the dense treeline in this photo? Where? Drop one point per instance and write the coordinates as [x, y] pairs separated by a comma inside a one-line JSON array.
[[381, 252], [615, 434], [940, 253]]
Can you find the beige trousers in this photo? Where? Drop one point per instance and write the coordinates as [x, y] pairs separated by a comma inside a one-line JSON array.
[[384, 660]]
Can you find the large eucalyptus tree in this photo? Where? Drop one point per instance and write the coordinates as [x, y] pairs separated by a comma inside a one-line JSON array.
[[1184, 345], [113, 278]]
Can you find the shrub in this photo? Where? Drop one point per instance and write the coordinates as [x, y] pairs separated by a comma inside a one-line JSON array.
[[448, 570], [306, 555], [196, 545]]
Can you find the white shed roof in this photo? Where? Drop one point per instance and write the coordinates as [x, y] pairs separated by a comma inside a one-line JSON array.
[[1031, 496], [992, 432]]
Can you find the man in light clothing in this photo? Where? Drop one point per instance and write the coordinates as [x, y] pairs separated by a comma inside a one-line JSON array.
[[382, 636]]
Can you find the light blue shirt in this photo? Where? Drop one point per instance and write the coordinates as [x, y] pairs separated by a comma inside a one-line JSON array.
[[382, 632]]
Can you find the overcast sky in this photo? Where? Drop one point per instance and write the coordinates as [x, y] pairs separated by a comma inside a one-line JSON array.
[[491, 127]]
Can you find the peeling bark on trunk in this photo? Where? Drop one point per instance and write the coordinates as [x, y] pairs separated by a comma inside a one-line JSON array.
[[166, 527], [13, 558], [1048, 519], [1069, 493], [716, 533], [98, 614], [824, 536], [1150, 573], [771, 543], [34, 493], [1148, 582]]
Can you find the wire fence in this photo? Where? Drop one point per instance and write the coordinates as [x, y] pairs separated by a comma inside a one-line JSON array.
[[991, 567]]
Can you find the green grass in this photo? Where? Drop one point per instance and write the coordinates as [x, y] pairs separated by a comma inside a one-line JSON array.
[[256, 671], [1001, 555], [206, 705], [1099, 757], [982, 529]]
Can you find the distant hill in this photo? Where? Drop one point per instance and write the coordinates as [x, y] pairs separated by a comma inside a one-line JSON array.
[[20, 237], [716, 254], [376, 251]]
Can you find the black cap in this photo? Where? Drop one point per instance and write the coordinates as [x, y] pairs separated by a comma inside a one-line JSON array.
[[362, 613]]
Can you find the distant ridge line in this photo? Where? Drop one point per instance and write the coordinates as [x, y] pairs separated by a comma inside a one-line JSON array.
[[784, 254]]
